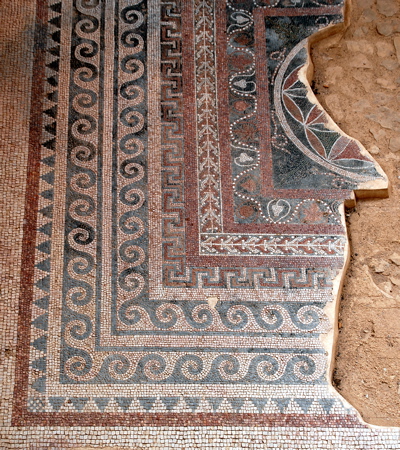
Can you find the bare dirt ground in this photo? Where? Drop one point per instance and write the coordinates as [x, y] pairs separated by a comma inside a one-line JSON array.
[[357, 80]]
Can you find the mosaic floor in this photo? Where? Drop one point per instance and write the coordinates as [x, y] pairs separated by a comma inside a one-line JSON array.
[[183, 235]]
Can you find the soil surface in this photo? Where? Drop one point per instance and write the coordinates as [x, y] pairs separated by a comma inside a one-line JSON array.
[[357, 80]]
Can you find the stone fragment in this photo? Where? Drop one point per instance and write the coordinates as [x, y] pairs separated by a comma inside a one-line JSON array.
[[395, 280], [386, 286], [385, 28], [394, 144], [386, 117], [379, 265], [387, 8], [395, 258], [369, 15], [334, 105], [396, 42], [386, 84], [378, 134], [374, 150], [390, 64], [385, 49]]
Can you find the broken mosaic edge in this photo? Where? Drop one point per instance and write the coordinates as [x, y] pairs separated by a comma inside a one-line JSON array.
[[377, 188]]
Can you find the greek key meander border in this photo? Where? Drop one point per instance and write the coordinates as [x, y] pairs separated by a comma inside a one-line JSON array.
[[180, 225]]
